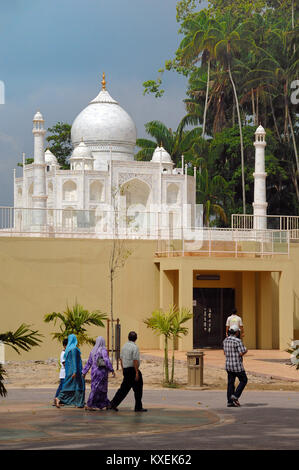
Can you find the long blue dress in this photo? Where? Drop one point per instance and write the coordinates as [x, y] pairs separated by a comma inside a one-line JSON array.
[[99, 380], [73, 390]]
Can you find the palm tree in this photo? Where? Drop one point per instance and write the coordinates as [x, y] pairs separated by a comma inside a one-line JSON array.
[[230, 38], [176, 143], [210, 193], [73, 321], [161, 323], [180, 317], [199, 43], [22, 339]]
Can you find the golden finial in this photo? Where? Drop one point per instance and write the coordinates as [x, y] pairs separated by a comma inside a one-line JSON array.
[[103, 82]]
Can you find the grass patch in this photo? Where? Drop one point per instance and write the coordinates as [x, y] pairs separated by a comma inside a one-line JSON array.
[[171, 385]]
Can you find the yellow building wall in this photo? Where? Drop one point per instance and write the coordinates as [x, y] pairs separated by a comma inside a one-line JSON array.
[[40, 276]]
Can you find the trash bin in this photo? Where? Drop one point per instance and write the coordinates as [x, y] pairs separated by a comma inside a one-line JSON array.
[[195, 368]]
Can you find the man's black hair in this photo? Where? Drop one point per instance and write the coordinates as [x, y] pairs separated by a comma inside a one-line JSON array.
[[234, 311], [64, 342], [132, 336]]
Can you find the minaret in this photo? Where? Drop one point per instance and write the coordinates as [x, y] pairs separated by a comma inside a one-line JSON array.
[[39, 175], [260, 204]]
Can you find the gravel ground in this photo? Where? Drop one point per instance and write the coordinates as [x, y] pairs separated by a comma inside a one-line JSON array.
[[45, 374]]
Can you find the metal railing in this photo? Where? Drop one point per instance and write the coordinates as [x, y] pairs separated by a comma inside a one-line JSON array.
[[93, 223], [225, 242], [272, 222], [170, 229]]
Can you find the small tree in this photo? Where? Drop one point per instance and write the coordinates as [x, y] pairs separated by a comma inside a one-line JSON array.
[[118, 256], [73, 321], [60, 143], [169, 325], [161, 323], [180, 317], [22, 339]]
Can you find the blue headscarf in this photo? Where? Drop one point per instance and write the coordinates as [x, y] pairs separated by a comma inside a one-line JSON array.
[[71, 343]]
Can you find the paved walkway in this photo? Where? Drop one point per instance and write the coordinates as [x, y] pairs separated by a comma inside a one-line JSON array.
[[270, 363], [176, 419]]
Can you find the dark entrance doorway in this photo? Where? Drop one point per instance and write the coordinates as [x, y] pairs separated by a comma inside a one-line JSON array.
[[211, 307]]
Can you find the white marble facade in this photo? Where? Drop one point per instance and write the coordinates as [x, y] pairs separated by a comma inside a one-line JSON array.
[[103, 176]]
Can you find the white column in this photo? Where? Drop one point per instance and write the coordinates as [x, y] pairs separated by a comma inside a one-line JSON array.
[[260, 203], [39, 197]]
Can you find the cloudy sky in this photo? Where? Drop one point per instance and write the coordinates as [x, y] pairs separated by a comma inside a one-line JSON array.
[[52, 55]]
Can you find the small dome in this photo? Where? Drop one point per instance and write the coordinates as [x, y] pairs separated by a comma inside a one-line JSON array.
[[81, 151], [50, 158], [260, 130], [161, 156], [38, 116]]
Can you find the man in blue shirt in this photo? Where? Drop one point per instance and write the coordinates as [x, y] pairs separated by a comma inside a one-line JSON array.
[[234, 351]]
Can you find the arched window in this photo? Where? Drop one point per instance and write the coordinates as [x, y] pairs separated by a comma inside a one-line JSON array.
[[137, 193], [95, 191], [69, 191], [172, 194], [19, 195], [30, 194]]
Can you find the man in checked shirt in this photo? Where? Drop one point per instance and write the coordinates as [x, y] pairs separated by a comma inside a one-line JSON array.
[[234, 351]]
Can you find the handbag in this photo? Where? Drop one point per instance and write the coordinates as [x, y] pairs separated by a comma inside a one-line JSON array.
[[101, 362]]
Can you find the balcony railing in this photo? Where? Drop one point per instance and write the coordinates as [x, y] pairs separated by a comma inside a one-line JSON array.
[[170, 230], [225, 243], [272, 222]]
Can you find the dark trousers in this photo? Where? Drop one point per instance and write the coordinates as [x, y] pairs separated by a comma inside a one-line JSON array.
[[129, 382], [231, 377]]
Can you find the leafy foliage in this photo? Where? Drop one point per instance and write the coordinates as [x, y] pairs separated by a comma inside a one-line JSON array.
[[60, 143], [73, 320], [22, 339], [169, 324], [241, 59]]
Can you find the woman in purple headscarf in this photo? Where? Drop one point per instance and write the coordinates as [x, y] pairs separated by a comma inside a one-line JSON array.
[[99, 376]]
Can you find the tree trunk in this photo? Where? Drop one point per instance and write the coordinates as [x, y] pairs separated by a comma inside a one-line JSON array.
[[241, 140], [206, 101], [296, 173], [253, 107], [257, 106], [166, 359], [111, 315], [172, 361], [295, 181], [286, 131], [274, 117]]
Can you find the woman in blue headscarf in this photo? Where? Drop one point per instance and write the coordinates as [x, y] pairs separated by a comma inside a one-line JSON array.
[[73, 390], [99, 376]]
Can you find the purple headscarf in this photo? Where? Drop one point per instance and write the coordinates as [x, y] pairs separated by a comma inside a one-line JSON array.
[[97, 349]]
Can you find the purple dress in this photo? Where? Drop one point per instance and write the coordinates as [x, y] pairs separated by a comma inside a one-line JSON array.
[[99, 380]]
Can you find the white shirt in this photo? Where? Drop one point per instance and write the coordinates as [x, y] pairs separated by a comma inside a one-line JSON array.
[[234, 320], [130, 353], [62, 369]]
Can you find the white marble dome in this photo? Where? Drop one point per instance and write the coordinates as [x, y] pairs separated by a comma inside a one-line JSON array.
[[104, 122], [161, 155], [38, 116], [50, 158], [81, 151], [260, 130]]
